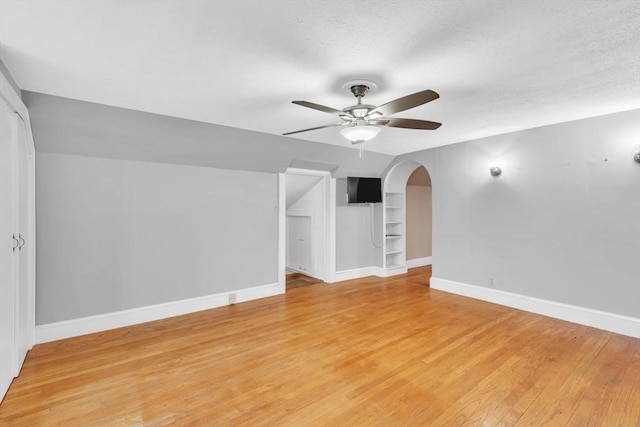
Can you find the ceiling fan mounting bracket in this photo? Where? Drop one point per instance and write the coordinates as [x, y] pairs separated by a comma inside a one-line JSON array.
[[348, 86], [359, 91]]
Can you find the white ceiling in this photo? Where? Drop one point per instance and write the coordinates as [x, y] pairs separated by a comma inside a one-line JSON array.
[[499, 66]]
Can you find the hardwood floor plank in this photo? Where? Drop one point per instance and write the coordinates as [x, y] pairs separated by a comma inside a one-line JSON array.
[[556, 403], [372, 351], [605, 373]]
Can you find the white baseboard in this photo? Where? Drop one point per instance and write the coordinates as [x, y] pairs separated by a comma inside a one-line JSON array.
[[358, 273], [355, 273], [292, 270], [390, 271], [617, 323], [418, 262], [102, 322]]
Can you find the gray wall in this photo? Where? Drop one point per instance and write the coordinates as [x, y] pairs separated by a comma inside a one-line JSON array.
[[562, 223], [120, 234], [354, 248], [67, 126], [137, 209]]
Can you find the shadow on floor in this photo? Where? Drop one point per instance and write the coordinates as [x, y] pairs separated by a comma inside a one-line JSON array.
[[297, 280]]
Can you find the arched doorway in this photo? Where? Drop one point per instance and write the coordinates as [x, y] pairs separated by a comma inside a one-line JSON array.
[[418, 218], [402, 252]]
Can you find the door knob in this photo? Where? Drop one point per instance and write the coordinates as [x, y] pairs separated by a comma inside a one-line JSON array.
[[16, 244], [22, 242]]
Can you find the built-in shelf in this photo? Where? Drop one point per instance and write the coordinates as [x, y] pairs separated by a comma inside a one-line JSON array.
[[394, 243]]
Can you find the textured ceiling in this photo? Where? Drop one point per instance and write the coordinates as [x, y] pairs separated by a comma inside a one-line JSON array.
[[499, 66]]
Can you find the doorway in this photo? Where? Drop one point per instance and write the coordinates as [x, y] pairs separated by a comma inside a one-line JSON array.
[[306, 228], [17, 232], [419, 218], [408, 221]]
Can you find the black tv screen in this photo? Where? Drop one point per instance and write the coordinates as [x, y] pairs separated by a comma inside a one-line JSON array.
[[364, 190]]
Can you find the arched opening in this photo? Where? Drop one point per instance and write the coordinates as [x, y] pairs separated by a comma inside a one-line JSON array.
[[407, 218], [419, 220]]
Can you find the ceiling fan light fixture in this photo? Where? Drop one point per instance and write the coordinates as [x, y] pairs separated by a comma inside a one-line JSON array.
[[360, 132]]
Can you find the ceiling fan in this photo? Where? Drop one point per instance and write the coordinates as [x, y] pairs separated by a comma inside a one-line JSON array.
[[361, 122]]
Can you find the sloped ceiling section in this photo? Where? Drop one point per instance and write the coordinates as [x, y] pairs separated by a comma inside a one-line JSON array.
[[499, 65], [298, 186], [67, 126]]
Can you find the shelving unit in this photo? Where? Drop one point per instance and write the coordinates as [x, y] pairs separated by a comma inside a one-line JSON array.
[[394, 230]]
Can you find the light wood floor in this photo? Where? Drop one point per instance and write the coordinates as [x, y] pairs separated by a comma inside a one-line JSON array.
[[367, 352], [296, 280]]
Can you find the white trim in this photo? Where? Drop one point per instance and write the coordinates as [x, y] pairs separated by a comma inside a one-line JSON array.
[[293, 270], [617, 323], [418, 262], [330, 265], [102, 322], [327, 272], [355, 273], [9, 94], [282, 232], [298, 171], [395, 181], [358, 273], [391, 271], [13, 99]]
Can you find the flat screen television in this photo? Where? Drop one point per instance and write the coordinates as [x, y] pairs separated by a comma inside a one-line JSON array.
[[364, 190]]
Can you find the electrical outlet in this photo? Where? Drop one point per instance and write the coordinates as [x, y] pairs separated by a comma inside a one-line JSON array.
[[491, 282], [232, 298]]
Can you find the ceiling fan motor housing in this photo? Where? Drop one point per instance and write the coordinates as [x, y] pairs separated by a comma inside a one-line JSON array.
[[359, 90]]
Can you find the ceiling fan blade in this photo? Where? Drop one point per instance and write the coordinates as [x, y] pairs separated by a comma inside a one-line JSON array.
[[319, 107], [379, 122], [406, 102], [413, 124], [317, 127]]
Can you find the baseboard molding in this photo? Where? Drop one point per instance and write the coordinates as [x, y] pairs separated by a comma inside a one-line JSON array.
[[418, 262], [358, 273], [355, 273], [291, 270], [612, 322], [390, 271], [102, 322]]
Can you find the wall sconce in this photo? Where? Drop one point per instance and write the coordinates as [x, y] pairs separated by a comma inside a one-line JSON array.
[[636, 156], [494, 167]]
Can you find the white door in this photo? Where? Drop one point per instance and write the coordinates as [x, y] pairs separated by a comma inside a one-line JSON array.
[[8, 244], [24, 298], [299, 243]]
